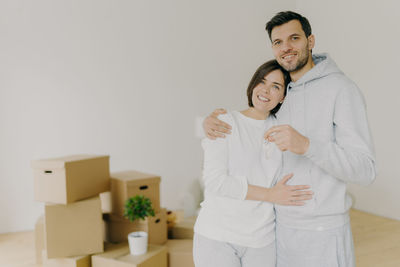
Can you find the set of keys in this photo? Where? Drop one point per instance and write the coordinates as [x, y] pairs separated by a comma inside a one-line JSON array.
[[267, 148]]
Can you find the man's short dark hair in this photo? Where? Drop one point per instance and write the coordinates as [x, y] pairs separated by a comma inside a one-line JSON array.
[[286, 16]]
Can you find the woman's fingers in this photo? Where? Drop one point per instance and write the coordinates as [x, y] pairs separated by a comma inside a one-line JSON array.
[[300, 198], [294, 203], [299, 187], [302, 193], [298, 203], [286, 178]]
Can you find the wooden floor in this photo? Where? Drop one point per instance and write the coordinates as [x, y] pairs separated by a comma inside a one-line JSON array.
[[376, 239]]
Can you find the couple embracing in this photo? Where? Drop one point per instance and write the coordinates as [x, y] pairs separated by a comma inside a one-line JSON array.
[[275, 174]]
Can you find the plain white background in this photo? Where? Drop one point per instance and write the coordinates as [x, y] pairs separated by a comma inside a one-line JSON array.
[[129, 78]]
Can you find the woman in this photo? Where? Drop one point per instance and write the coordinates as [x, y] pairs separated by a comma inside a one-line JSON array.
[[236, 226]]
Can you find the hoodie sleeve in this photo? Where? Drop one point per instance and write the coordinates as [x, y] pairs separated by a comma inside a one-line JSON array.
[[216, 179], [350, 157]]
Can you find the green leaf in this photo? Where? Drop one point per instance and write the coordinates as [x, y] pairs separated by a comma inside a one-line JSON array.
[[138, 207]]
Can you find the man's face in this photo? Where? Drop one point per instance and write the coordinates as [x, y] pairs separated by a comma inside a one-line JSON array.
[[290, 45]]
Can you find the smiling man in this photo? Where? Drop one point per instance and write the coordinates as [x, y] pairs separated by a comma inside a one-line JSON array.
[[324, 133]]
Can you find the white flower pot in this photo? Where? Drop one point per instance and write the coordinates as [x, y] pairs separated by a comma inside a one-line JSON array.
[[138, 242]]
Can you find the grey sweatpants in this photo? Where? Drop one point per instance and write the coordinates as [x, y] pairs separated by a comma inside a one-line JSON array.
[[212, 253], [305, 248]]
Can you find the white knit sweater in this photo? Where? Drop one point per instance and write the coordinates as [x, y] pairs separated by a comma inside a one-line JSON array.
[[231, 164]]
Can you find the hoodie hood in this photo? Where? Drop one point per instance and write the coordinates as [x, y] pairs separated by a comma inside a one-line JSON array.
[[324, 66]]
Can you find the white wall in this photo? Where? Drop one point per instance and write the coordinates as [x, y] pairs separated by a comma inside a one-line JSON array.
[[124, 78], [363, 38]]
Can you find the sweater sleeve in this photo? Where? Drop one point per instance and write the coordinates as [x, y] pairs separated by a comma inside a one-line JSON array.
[[216, 178], [350, 157]]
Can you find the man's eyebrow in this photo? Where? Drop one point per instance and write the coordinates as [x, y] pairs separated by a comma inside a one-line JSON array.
[[293, 34]]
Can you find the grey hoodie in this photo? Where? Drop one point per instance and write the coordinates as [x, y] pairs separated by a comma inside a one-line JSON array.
[[328, 108]]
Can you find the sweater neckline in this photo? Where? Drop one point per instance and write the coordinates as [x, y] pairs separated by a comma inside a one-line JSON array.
[[255, 122]]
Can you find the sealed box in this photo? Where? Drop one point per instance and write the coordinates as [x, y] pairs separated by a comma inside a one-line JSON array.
[[74, 229], [40, 244], [68, 179], [77, 261], [128, 184], [118, 228], [182, 229], [180, 253], [119, 256]]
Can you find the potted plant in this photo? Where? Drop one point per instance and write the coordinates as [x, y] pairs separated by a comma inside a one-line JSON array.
[[138, 208]]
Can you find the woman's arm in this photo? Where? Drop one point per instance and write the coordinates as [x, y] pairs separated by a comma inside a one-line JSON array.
[[282, 194], [218, 182]]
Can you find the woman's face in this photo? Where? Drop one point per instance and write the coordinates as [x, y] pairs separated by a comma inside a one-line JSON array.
[[268, 93]]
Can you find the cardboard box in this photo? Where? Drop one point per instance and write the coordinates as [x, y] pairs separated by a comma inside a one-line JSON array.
[[183, 229], [77, 261], [180, 253], [40, 244], [68, 179], [118, 228], [118, 256], [128, 184], [74, 229]]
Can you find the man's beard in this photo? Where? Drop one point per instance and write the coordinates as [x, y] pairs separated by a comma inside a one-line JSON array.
[[300, 63]]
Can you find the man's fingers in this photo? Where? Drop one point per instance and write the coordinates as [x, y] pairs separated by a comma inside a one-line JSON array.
[[214, 135], [214, 124], [218, 125], [219, 135], [222, 128], [274, 130], [218, 111], [225, 125], [270, 130]]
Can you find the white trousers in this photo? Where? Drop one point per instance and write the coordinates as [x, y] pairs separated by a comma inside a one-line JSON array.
[[304, 248], [212, 253]]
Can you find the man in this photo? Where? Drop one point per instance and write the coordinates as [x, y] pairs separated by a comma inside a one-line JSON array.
[[323, 131]]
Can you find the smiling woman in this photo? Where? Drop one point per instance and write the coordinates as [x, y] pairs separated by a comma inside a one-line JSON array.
[[236, 223], [268, 85]]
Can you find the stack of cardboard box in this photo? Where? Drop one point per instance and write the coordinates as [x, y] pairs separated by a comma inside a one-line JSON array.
[[125, 185], [71, 229], [77, 220]]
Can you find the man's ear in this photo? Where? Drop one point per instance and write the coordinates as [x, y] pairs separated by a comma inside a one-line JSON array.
[[311, 42]]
